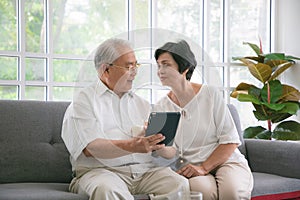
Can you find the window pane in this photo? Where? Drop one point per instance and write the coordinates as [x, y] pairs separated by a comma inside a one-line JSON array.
[[78, 26], [35, 93], [8, 92], [144, 93], [8, 21], [63, 93], [214, 75], [183, 17], [9, 68], [197, 76], [241, 74], [245, 110], [248, 22], [157, 94], [35, 69], [213, 24], [140, 14], [69, 70], [35, 26], [143, 76]]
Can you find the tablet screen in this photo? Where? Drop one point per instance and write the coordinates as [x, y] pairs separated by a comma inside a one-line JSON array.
[[165, 123]]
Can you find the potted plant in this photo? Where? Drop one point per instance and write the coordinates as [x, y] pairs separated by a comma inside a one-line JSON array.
[[273, 101]]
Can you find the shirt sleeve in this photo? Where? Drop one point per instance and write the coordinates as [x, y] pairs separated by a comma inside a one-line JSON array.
[[79, 126], [226, 130]]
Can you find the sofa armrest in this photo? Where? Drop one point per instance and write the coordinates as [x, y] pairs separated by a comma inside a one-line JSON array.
[[274, 157]]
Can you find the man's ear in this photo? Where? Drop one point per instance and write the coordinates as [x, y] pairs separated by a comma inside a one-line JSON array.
[[102, 70]]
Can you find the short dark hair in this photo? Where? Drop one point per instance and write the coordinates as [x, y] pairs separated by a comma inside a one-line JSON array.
[[182, 54]]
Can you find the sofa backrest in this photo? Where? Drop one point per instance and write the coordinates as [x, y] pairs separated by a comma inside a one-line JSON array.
[[236, 119], [274, 157], [30, 142], [31, 145]]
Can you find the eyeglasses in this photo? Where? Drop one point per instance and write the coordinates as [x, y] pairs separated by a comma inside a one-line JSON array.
[[128, 67]]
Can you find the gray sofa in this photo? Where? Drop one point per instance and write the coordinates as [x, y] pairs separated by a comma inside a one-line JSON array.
[[34, 162]]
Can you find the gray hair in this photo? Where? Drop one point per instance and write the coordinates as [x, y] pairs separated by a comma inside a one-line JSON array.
[[110, 50]]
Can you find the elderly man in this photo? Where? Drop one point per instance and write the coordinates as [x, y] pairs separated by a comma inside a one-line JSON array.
[[110, 158]]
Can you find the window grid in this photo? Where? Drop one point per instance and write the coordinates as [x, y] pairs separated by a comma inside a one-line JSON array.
[[49, 54]]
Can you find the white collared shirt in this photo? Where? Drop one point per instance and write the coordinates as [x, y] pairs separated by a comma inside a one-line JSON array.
[[97, 112], [206, 123]]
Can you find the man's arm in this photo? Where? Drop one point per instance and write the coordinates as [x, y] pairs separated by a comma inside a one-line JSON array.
[[106, 149], [168, 152]]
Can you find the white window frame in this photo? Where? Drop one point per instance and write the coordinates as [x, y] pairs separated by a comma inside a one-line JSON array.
[[50, 56]]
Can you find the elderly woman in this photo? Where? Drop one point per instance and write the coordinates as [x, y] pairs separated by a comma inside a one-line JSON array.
[[206, 138]]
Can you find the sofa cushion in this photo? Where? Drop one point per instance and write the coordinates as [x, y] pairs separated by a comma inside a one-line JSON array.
[[280, 196], [38, 191], [266, 184], [30, 142]]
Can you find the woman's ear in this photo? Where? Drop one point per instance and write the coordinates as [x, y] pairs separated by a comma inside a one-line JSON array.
[[185, 72]]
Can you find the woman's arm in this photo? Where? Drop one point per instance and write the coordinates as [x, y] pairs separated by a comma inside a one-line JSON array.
[[219, 156]]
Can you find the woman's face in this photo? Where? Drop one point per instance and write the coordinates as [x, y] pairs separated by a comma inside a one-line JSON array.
[[167, 70]]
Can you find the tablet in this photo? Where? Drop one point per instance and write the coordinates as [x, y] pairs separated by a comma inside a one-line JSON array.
[[165, 123]]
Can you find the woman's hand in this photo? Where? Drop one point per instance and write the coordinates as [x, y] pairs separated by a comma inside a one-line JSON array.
[[190, 171]]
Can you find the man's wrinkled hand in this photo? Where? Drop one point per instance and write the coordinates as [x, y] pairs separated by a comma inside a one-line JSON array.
[[147, 144]]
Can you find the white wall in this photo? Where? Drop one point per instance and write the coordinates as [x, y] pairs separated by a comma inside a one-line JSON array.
[[287, 38]]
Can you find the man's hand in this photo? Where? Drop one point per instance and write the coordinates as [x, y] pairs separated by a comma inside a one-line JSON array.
[[147, 144], [190, 171], [108, 149]]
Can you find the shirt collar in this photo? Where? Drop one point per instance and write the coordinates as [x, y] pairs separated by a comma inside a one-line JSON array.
[[101, 88]]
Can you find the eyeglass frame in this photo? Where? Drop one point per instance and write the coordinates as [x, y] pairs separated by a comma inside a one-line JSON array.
[[132, 66]]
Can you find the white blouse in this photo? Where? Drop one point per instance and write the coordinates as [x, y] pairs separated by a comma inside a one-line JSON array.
[[205, 123]]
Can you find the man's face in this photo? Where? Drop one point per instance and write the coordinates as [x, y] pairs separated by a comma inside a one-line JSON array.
[[121, 73]]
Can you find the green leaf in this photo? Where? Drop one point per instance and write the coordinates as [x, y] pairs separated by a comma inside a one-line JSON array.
[[257, 132], [259, 58], [236, 58], [280, 56], [287, 130], [290, 108], [290, 93], [275, 91], [242, 88], [263, 113], [260, 71], [275, 63], [274, 106], [280, 69], [265, 135], [248, 98], [255, 91], [260, 115], [291, 58], [275, 56], [278, 117], [254, 47]]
